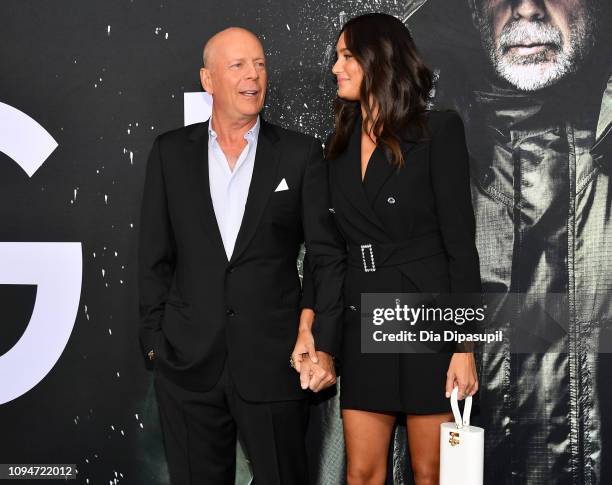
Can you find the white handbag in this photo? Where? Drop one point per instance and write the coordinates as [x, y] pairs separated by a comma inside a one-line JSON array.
[[461, 447]]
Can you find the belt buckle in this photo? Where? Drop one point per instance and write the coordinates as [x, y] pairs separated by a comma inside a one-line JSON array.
[[372, 266]]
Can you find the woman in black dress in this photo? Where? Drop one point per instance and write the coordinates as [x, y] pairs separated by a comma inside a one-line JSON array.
[[400, 197]]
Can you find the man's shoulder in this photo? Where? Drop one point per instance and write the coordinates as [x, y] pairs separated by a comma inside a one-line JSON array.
[[183, 134], [291, 137]]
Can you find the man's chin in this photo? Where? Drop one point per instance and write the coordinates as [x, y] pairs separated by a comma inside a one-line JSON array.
[[532, 76], [251, 109]]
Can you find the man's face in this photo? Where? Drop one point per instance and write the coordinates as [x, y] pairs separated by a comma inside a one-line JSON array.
[[534, 43], [235, 74]]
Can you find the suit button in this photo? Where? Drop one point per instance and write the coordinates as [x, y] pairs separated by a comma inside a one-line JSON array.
[[391, 200], [230, 313], [230, 269]]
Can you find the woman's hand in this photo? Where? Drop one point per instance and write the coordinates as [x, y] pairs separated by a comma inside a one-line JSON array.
[[305, 341], [462, 373]]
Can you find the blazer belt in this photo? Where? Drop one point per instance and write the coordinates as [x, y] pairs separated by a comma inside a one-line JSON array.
[[371, 255]]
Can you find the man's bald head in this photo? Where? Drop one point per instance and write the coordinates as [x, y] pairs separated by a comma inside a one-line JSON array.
[[229, 35], [234, 74]]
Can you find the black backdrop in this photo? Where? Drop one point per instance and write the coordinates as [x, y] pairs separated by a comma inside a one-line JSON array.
[[104, 78]]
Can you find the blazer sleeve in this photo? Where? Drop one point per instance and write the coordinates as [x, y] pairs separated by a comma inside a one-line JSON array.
[[325, 253], [308, 297], [450, 177], [156, 253]]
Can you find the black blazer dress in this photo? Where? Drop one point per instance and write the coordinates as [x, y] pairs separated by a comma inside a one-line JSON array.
[[418, 224]]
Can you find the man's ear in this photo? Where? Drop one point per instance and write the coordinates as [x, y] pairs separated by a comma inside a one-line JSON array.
[[206, 80]]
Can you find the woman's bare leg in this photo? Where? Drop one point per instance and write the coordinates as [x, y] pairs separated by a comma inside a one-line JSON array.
[[424, 445], [367, 435]]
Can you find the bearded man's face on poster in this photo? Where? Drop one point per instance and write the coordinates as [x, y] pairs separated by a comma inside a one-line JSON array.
[[533, 44]]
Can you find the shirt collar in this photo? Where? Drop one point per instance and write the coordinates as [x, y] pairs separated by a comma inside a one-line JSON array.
[[250, 135]]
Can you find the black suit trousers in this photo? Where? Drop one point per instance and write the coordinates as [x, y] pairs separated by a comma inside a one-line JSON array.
[[200, 430]]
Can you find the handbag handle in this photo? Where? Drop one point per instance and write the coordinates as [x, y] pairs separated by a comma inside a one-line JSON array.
[[467, 409]]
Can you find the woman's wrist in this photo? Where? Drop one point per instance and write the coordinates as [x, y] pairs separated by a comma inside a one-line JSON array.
[[467, 353], [306, 320]]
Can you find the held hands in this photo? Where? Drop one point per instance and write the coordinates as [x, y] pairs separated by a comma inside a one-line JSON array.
[[318, 375], [462, 373], [316, 368]]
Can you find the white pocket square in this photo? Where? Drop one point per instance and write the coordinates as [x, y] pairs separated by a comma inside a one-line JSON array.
[[282, 186]]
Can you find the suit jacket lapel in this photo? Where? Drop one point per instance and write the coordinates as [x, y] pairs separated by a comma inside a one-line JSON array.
[[198, 167], [349, 178], [380, 170], [349, 174], [267, 159]]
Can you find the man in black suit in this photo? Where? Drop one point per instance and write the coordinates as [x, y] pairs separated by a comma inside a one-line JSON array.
[[226, 206]]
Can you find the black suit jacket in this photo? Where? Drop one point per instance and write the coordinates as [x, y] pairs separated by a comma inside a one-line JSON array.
[[196, 307]]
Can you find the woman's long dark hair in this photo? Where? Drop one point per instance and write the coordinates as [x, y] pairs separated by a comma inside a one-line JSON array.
[[396, 83]]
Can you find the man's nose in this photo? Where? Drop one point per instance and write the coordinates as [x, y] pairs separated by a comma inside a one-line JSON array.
[[528, 9], [252, 72]]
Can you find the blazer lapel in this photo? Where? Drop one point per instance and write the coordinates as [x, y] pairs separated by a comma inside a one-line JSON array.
[[349, 178], [267, 159], [198, 167], [380, 170]]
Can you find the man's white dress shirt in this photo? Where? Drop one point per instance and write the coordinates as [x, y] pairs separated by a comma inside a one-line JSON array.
[[229, 189]]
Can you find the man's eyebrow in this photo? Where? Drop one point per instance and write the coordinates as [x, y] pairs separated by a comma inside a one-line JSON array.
[[242, 59]]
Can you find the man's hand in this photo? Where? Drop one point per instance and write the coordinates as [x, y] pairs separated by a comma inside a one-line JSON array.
[[322, 374]]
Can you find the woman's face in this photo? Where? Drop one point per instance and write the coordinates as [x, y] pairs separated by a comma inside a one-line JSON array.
[[348, 72]]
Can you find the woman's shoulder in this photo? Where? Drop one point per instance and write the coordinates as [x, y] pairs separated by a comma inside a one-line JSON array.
[[434, 122], [438, 119]]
